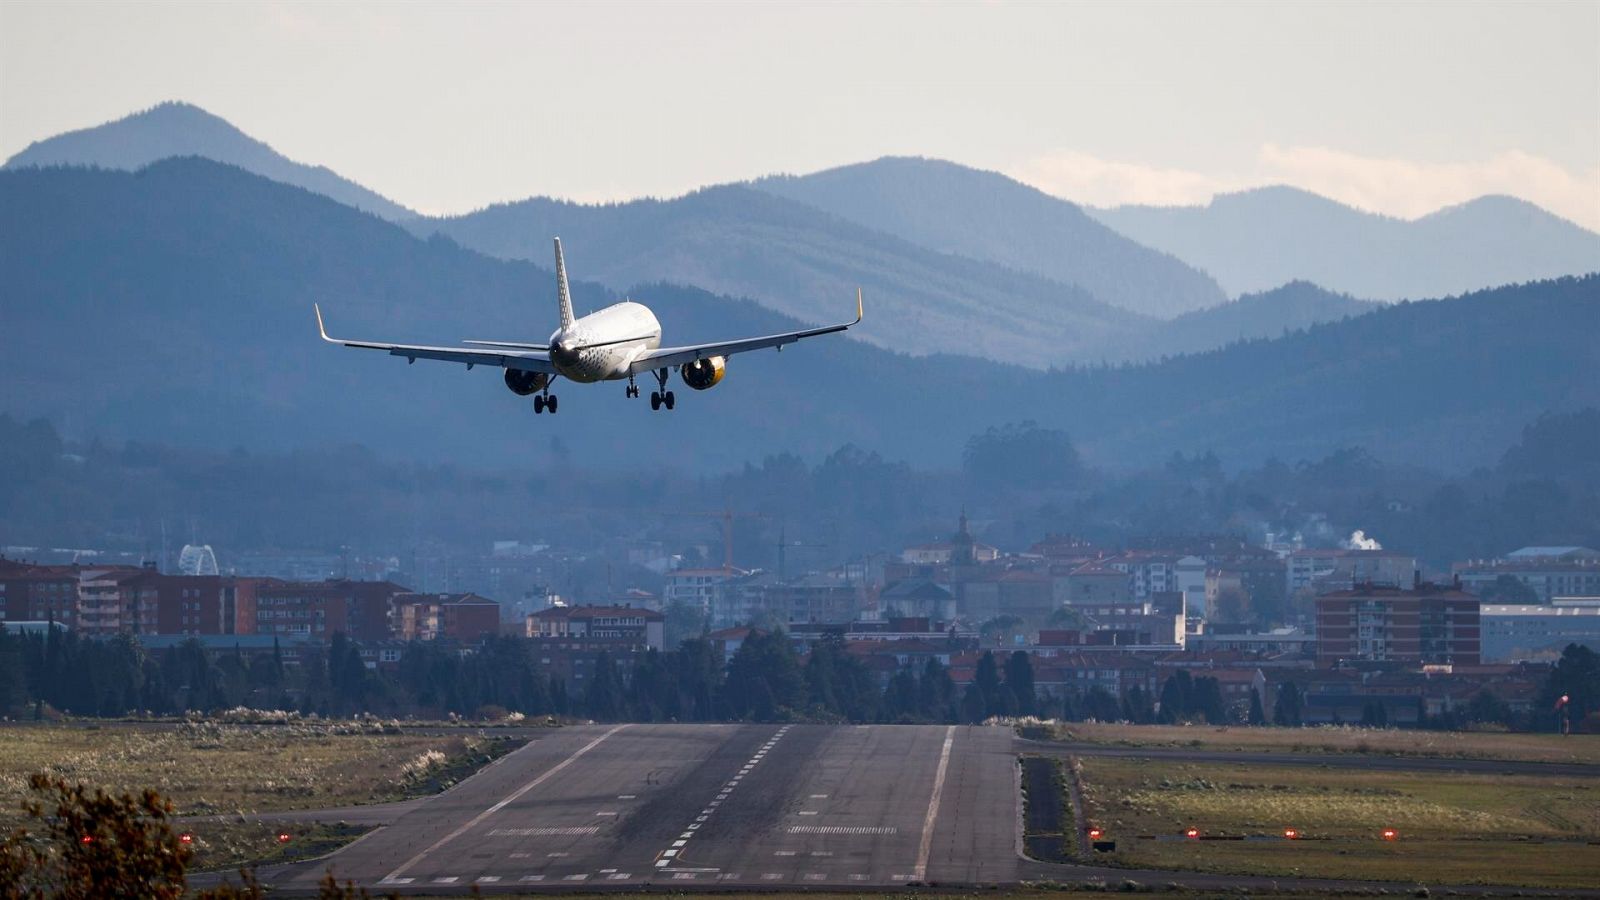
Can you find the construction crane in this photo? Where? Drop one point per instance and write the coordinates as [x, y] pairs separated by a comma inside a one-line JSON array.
[[727, 515]]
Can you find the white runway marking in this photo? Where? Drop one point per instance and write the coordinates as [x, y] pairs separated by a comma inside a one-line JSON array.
[[816, 876], [488, 879], [531, 878], [552, 831], [808, 812], [475, 820], [582, 876], [620, 876], [842, 829], [926, 847], [772, 876], [448, 879], [723, 792], [398, 881]]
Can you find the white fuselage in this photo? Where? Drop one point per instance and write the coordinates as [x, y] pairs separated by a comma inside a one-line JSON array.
[[603, 344]]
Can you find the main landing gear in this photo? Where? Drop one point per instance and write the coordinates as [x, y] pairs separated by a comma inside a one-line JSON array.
[[662, 397], [544, 401]]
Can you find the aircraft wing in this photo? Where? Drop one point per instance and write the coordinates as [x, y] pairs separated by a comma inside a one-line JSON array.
[[666, 357], [520, 359]]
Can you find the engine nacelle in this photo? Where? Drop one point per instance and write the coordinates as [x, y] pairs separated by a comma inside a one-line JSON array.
[[524, 383], [703, 373]]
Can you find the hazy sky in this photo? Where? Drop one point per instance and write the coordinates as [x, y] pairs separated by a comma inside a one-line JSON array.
[[1399, 108]]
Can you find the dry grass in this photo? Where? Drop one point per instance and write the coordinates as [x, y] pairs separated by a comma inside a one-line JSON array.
[[208, 769], [1454, 828], [1341, 739]]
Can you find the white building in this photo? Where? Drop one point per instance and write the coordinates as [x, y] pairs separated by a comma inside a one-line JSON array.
[[1514, 632]]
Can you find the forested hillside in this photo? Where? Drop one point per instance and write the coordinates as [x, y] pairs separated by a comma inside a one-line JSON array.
[[173, 304], [806, 264]]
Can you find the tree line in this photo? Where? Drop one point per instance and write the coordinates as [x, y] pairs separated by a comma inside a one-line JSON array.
[[765, 679]]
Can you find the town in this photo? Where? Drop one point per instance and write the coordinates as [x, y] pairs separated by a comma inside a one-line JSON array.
[[1207, 629]]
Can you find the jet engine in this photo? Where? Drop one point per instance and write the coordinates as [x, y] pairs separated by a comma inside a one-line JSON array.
[[524, 383], [703, 373]]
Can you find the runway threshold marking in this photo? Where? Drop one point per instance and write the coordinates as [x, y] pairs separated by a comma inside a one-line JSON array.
[[926, 847], [477, 819]]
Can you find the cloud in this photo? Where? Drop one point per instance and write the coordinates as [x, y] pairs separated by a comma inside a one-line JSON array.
[[1093, 181], [1395, 187]]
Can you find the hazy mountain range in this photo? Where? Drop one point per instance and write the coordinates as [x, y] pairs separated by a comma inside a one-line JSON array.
[[173, 304], [183, 129], [805, 263], [1258, 239], [987, 216], [954, 259]]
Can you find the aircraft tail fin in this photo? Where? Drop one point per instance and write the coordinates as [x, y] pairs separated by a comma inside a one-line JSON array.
[[564, 294]]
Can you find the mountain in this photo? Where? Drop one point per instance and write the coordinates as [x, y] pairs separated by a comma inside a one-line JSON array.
[[172, 305], [1257, 239], [985, 215], [181, 129], [1295, 306], [806, 264]]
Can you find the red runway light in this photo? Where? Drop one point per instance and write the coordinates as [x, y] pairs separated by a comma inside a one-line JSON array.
[[283, 837], [1192, 833], [1290, 833], [1390, 834], [186, 838], [1094, 834], [86, 839]]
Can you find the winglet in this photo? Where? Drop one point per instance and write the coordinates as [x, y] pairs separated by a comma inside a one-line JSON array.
[[320, 328], [858, 307]]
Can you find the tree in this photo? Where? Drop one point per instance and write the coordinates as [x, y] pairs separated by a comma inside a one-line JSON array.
[[1208, 700], [1488, 709], [1257, 715], [1576, 676], [936, 693], [987, 680], [1177, 698], [1019, 679], [93, 845], [603, 695], [1021, 455], [1286, 709]]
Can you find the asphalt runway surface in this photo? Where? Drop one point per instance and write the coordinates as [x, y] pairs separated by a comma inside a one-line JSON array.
[[773, 807], [707, 806]]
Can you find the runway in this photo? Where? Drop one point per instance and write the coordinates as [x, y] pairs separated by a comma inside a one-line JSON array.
[[703, 806]]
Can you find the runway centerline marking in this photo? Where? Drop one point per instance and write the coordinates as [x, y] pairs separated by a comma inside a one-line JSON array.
[[477, 819], [678, 847], [926, 847]]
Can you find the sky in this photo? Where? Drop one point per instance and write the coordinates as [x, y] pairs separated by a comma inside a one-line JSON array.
[[1398, 108]]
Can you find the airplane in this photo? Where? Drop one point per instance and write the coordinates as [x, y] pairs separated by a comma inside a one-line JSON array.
[[618, 342]]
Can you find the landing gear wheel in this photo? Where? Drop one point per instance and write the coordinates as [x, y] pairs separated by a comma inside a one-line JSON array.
[[632, 390], [538, 403], [551, 402], [669, 399], [655, 400]]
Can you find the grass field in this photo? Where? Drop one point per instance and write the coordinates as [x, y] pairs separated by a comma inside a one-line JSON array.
[[225, 769], [1453, 828], [1340, 739]]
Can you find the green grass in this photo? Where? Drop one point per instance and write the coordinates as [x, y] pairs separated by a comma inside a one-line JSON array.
[[1341, 739], [1523, 830], [225, 769]]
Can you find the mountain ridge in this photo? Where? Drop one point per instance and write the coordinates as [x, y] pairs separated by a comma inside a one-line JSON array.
[[184, 291], [174, 129], [1259, 238]]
